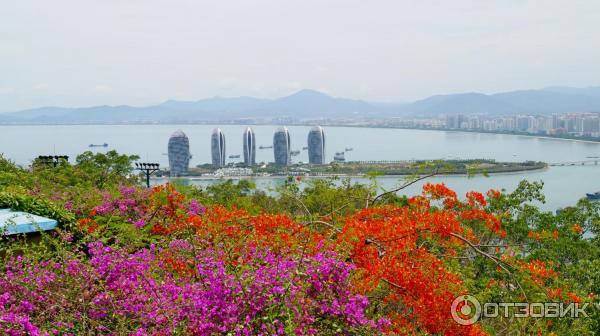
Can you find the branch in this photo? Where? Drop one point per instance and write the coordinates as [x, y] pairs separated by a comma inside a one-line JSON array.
[[403, 186], [301, 203], [380, 249], [393, 284], [329, 225], [493, 258]]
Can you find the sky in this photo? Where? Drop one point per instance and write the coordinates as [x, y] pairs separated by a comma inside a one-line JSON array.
[[141, 52]]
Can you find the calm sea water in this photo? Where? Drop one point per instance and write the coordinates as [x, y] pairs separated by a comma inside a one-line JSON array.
[[563, 185]]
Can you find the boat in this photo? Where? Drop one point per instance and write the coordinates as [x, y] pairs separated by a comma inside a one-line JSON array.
[[264, 147], [339, 156], [102, 145], [234, 156], [304, 148], [593, 197], [592, 157], [349, 149], [294, 152]]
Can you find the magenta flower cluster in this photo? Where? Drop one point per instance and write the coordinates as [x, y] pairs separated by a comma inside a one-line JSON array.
[[186, 287]]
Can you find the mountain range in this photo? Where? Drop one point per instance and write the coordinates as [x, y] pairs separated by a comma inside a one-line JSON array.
[[311, 105]]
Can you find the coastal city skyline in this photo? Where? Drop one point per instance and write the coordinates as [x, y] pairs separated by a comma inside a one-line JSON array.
[[179, 149], [583, 124]]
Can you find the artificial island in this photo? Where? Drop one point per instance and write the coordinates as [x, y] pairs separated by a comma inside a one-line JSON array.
[[283, 165]]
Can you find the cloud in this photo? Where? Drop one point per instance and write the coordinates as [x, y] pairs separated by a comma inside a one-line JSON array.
[[228, 83], [100, 88], [6, 90], [40, 86], [140, 52]]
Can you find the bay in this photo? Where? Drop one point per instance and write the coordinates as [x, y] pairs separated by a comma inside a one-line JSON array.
[[563, 185]]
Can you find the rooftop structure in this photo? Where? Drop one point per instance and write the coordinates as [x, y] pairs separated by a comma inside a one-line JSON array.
[[16, 222]]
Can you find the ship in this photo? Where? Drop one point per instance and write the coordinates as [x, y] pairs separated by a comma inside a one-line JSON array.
[[304, 148], [339, 156], [264, 147], [102, 145], [593, 197], [349, 149], [234, 156], [294, 152]]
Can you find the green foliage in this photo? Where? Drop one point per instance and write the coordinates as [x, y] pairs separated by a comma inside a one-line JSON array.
[[10, 174], [227, 192], [100, 167], [531, 232], [36, 206], [534, 234]]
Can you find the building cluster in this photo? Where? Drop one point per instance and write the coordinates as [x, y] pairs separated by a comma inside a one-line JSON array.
[[179, 149], [234, 171], [574, 124]]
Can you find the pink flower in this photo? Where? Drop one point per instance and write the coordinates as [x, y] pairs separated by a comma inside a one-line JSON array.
[[140, 223]]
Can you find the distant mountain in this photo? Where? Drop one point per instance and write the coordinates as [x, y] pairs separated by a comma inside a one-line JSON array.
[[544, 101], [313, 104], [310, 104], [305, 104], [216, 104], [593, 91], [548, 101], [466, 103]]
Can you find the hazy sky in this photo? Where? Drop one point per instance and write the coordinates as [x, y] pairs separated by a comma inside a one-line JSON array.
[[139, 52]]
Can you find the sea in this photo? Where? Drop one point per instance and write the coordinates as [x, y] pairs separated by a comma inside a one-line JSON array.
[[563, 185]]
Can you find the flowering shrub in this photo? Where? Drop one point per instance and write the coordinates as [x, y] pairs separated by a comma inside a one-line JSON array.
[[159, 262], [185, 287], [382, 244]]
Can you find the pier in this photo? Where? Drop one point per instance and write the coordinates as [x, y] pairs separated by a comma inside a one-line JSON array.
[[590, 162]]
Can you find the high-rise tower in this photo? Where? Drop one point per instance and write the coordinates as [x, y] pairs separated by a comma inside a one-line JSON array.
[[217, 146], [249, 147], [179, 153], [316, 145], [281, 146]]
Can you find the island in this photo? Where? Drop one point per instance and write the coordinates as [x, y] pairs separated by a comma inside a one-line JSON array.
[[367, 168]]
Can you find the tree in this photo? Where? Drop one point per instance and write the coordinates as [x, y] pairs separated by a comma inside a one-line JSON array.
[[100, 167]]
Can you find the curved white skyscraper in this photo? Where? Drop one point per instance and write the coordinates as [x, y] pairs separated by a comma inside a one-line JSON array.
[[217, 146], [179, 153], [249, 147], [282, 146], [316, 145]]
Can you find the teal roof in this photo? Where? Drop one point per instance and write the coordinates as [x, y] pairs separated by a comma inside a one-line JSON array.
[[15, 222]]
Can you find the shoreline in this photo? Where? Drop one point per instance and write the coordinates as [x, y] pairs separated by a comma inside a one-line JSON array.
[[456, 131], [314, 123], [241, 177]]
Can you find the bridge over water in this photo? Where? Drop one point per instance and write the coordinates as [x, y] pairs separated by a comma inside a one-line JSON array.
[[576, 163]]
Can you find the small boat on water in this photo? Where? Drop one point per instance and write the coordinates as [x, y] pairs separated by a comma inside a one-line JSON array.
[[294, 152], [349, 149], [102, 145], [234, 156], [304, 148], [593, 197], [264, 147], [339, 156]]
